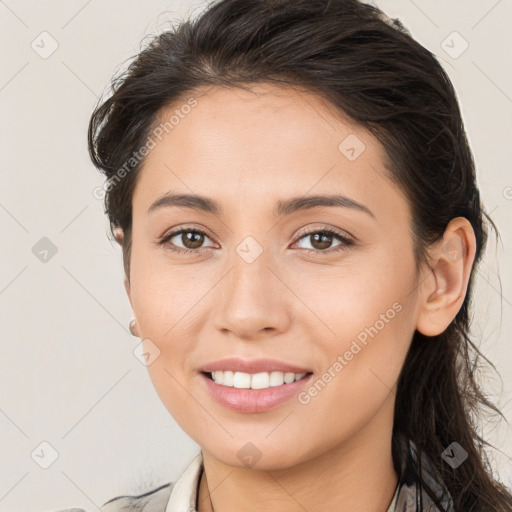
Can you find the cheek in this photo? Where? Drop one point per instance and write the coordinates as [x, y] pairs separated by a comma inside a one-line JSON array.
[[167, 304], [367, 323], [160, 294], [363, 296], [361, 368]]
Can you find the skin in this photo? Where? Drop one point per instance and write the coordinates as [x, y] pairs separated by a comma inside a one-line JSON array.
[[247, 150]]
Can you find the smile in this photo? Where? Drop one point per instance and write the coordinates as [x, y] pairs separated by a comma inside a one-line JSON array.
[[262, 380]]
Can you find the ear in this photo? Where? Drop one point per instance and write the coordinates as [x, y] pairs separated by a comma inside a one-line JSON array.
[[118, 235], [127, 288], [443, 288]]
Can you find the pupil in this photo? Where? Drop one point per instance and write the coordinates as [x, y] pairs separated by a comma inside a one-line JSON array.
[[189, 236], [325, 243]]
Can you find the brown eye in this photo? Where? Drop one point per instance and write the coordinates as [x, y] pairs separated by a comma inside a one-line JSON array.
[[192, 240], [322, 240]]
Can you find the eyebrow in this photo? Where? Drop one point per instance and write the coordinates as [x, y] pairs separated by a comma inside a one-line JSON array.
[[286, 207]]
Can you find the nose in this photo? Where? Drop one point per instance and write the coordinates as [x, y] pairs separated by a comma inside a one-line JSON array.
[[253, 301]]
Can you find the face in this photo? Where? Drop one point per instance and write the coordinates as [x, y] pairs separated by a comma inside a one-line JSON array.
[[253, 282]]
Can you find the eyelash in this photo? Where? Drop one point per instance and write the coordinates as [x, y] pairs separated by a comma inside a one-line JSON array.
[[346, 242]]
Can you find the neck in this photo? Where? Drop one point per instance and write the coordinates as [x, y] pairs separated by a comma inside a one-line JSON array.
[[356, 475]]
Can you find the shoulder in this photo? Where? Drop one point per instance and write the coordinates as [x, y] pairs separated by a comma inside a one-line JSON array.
[[154, 500], [151, 501]]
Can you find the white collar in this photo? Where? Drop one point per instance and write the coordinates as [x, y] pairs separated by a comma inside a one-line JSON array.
[[183, 496]]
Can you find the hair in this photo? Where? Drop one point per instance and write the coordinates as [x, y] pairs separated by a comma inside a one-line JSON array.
[[370, 68]]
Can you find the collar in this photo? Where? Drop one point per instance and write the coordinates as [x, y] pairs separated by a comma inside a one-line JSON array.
[[185, 491], [412, 495]]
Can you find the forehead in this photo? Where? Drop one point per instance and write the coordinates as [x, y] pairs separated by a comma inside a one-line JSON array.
[[260, 145]]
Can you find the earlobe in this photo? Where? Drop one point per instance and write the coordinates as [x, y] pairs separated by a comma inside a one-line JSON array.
[[119, 235], [443, 291]]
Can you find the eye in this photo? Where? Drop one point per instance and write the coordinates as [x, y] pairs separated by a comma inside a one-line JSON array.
[[191, 238], [323, 238]]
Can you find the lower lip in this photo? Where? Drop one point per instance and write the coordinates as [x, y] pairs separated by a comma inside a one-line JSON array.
[[253, 400]]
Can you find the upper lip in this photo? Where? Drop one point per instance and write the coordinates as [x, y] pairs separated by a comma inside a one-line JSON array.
[[235, 364]]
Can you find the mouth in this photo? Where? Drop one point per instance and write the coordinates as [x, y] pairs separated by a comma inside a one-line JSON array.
[[261, 380], [253, 393]]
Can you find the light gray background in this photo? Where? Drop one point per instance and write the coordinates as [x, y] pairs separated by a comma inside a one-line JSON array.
[[67, 372]]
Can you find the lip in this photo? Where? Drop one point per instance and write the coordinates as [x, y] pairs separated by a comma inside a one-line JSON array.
[[253, 400], [236, 364]]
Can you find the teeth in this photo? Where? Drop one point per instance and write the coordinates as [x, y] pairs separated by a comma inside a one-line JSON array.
[[264, 380]]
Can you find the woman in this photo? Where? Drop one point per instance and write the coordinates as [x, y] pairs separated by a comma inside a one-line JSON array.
[[297, 205]]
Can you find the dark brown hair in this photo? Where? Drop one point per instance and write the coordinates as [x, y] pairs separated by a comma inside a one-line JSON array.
[[369, 67]]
